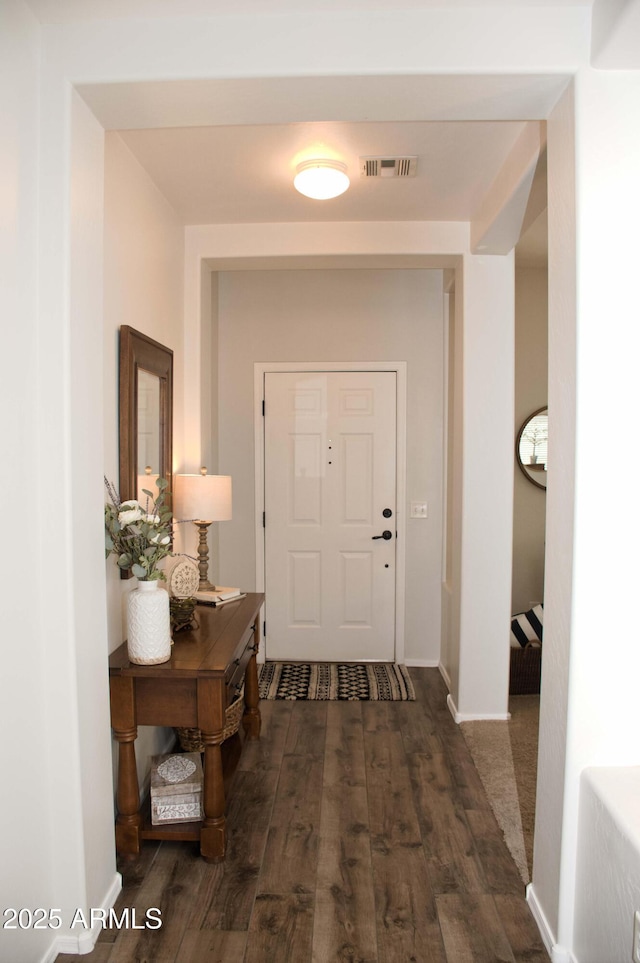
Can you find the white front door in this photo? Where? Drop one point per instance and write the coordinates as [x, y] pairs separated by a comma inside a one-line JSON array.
[[330, 494]]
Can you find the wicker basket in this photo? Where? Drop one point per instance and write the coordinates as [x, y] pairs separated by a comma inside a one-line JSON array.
[[191, 739], [182, 612], [524, 678]]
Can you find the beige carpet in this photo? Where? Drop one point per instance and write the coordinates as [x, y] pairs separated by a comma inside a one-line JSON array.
[[506, 756]]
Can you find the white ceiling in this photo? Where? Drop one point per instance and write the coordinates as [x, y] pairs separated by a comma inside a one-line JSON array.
[[240, 174], [225, 151]]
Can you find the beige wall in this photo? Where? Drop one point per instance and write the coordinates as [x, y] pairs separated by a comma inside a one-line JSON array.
[[544, 894], [338, 316], [483, 469], [143, 287], [22, 701], [530, 394]]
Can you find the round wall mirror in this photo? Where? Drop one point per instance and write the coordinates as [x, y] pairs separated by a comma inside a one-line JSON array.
[[531, 447]]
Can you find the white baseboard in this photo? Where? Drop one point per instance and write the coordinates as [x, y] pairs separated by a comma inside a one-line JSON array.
[[452, 708], [422, 663], [83, 942], [445, 675], [560, 955], [475, 716], [557, 953]]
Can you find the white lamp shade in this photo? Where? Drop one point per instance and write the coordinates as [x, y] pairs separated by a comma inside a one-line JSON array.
[[202, 498], [321, 179]]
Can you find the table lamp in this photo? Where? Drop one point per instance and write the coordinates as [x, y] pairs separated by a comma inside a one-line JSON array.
[[203, 499]]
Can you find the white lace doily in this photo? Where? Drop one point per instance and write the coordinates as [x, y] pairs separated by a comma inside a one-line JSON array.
[[176, 768], [183, 580]]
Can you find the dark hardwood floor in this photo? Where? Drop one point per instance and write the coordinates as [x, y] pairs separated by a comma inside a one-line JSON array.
[[358, 833]]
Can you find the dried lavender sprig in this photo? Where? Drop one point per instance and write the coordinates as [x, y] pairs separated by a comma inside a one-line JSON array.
[[112, 493]]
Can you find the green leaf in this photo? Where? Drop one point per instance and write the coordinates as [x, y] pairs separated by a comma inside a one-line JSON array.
[[124, 561], [138, 571]]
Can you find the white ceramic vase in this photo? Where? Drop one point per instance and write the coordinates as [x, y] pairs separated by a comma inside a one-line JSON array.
[[148, 624]]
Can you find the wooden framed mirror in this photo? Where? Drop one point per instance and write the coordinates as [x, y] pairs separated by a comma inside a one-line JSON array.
[[531, 447], [146, 413]]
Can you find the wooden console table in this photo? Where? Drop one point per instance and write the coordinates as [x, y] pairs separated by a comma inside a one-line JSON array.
[[207, 668]]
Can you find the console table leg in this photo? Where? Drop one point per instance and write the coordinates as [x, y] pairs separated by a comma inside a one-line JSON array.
[[129, 819], [251, 720], [213, 832]]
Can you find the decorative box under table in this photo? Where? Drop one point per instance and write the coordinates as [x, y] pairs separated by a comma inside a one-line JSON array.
[[176, 788]]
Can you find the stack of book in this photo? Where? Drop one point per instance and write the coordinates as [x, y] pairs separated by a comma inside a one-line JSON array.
[[219, 595]]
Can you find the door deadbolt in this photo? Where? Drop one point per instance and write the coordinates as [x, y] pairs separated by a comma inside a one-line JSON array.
[[387, 513]]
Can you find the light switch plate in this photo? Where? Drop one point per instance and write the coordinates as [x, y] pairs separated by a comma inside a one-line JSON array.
[[418, 509]]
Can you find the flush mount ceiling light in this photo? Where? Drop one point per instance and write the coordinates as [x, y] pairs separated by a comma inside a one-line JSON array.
[[321, 179]]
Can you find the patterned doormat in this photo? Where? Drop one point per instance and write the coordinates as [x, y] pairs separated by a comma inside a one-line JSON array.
[[336, 680]]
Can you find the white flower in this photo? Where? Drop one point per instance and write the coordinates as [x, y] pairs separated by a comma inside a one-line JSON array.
[[139, 535], [130, 516], [157, 540]]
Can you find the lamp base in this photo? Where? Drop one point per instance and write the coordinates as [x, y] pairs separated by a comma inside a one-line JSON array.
[[203, 558]]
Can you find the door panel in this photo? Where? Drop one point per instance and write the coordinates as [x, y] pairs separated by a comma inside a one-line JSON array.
[[330, 451]]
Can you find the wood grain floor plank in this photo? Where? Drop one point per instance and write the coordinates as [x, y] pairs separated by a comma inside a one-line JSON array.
[[521, 929], [344, 763], [419, 729], [344, 924], [212, 946], [407, 922], [307, 728], [226, 896], [500, 870], [291, 853], [392, 814], [281, 929], [379, 717], [452, 856], [464, 774], [430, 687], [431, 691], [472, 930], [266, 752], [177, 874]]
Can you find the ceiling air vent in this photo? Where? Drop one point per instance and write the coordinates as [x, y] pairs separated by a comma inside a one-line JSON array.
[[388, 166]]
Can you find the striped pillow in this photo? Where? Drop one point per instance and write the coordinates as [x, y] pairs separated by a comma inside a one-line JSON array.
[[526, 628]]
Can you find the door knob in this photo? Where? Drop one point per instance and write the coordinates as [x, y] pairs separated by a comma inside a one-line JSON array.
[[386, 535]]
